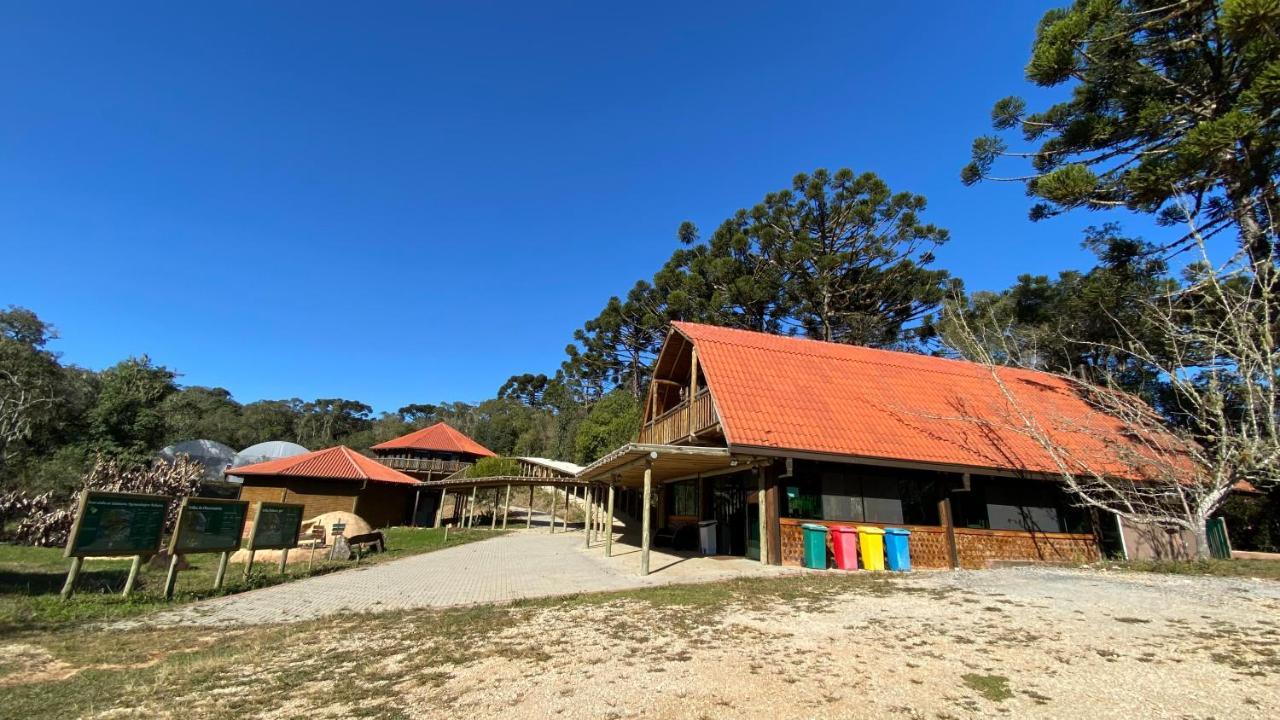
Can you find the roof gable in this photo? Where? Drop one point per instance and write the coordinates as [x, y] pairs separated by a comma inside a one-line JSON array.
[[440, 437], [811, 396], [335, 463]]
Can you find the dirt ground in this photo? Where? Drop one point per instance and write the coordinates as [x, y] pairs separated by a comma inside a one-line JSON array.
[[1019, 643]]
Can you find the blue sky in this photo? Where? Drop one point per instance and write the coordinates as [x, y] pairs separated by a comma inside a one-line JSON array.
[[409, 202]]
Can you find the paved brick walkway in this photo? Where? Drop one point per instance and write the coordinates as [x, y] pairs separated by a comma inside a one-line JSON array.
[[522, 564]]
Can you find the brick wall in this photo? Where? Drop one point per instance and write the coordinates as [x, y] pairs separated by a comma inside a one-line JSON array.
[[977, 548]]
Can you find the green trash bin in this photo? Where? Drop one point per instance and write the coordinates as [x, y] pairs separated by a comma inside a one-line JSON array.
[[1219, 543], [815, 546]]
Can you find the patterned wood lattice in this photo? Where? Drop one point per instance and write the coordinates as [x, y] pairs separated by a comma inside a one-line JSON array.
[[927, 544], [977, 548]]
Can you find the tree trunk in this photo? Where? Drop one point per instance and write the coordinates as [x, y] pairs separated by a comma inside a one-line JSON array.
[[1201, 532]]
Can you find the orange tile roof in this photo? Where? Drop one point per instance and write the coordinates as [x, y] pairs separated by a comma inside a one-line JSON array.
[[806, 395], [336, 463], [440, 437]]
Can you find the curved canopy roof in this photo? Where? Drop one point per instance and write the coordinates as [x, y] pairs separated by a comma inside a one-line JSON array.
[[213, 455], [562, 466], [269, 450]]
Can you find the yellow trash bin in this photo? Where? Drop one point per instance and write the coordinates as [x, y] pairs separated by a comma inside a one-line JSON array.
[[871, 544]]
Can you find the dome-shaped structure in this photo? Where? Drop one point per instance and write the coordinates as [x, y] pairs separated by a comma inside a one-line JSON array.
[[264, 451], [213, 455], [269, 450]]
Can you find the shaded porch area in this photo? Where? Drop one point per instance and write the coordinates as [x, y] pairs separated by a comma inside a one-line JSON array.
[[640, 476]]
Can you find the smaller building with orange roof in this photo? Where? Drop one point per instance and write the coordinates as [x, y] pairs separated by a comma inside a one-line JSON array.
[[333, 479], [432, 453]]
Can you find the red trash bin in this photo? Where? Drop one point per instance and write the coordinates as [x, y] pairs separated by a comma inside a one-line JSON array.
[[844, 541]]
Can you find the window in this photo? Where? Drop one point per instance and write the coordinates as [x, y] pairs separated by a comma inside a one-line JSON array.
[[852, 493], [801, 499], [684, 499], [1022, 504]]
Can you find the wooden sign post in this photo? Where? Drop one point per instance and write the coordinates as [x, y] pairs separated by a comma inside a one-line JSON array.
[[317, 537], [206, 525], [277, 527], [111, 524]]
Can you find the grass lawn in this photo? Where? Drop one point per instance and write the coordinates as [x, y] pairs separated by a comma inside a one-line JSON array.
[[1265, 569], [31, 578], [244, 671]]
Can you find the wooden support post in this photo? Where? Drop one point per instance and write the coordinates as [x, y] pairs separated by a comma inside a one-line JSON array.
[[471, 517], [284, 559], [555, 497], [506, 507], [608, 525], [644, 521], [223, 559], [134, 567], [493, 517], [311, 558], [73, 572], [944, 514], [689, 429], [528, 516], [564, 521], [761, 517], [248, 564], [587, 517], [171, 579], [439, 511], [417, 496]]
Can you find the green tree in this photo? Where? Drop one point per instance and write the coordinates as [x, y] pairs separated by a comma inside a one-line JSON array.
[[1069, 324], [127, 422], [30, 382], [731, 280], [611, 422], [196, 412], [419, 414], [617, 347], [330, 421], [838, 256], [267, 420], [1173, 110]]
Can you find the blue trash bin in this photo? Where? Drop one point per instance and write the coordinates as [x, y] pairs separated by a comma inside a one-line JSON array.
[[896, 548]]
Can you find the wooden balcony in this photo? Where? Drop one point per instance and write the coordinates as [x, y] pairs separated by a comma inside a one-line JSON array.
[[424, 465], [682, 421]]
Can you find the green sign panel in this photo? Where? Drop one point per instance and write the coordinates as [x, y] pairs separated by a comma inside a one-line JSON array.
[[277, 526], [109, 523], [209, 525]]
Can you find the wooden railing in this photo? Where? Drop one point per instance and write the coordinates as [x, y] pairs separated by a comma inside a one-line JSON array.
[[681, 421], [423, 465]]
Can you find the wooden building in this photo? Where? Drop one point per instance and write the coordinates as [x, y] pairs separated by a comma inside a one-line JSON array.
[[432, 453], [763, 433], [337, 478]]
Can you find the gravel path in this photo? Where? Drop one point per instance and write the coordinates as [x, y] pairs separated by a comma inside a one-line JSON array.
[[522, 564], [1015, 643]]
